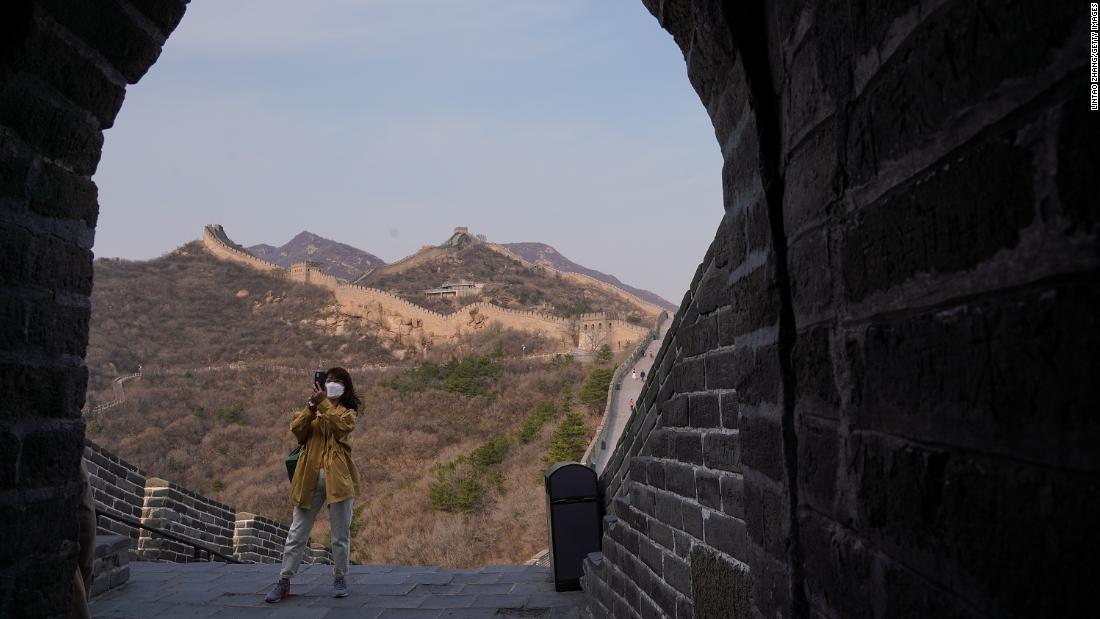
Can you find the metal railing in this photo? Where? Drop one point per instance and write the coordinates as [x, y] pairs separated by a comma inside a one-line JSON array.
[[199, 548]]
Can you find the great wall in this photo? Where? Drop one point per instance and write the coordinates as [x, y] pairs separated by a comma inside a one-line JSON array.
[[422, 327]]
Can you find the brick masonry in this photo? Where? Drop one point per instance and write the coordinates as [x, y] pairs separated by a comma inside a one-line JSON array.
[[121, 488], [873, 399], [876, 398]]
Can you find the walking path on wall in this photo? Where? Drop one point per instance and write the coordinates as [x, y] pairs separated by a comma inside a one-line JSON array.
[[620, 411], [198, 590]]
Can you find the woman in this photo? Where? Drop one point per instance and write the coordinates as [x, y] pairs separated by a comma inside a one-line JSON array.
[[324, 475]]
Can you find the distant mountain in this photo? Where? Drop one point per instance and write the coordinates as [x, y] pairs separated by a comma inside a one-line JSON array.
[[541, 253], [340, 260]]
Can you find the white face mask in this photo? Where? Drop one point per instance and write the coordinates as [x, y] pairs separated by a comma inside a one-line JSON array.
[[334, 390]]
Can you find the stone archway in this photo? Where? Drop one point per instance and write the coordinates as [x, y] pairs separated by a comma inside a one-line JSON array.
[[859, 383]]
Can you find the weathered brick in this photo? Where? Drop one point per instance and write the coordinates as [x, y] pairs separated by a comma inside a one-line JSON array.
[[818, 457], [692, 516], [754, 304], [731, 412], [703, 411], [668, 510], [1002, 375], [721, 450], [688, 446], [674, 412], [56, 192], [761, 444], [754, 373], [812, 279], [720, 588], [727, 534], [680, 478], [52, 393], [943, 222], [46, 262], [708, 490], [111, 31], [677, 573], [732, 487], [766, 520], [51, 455], [164, 14], [814, 176], [933, 508], [834, 560], [698, 337], [1004, 41], [64, 134]]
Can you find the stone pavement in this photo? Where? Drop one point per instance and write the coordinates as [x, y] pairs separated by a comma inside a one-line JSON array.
[[200, 590], [631, 388]]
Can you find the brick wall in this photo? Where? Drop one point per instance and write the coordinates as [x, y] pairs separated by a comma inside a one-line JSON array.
[[117, 487], [64, 67], [873, 401]]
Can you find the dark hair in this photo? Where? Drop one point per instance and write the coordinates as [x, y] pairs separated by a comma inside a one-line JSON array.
[[348, 399]]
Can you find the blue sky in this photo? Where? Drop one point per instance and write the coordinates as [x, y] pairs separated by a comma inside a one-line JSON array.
[[385, 123]]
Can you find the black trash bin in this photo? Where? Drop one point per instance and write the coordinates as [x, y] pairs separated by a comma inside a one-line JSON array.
[[573, 513]]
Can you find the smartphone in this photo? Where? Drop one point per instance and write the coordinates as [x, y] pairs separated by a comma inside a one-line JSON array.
[[319, 379]]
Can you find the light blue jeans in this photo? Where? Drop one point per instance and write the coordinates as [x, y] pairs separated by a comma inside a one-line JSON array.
[[297, 541]]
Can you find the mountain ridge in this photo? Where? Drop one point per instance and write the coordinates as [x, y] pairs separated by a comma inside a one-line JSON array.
[[339, 259]]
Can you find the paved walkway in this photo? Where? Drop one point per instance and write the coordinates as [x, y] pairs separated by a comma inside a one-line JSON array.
[[620, 412], [199, 590]]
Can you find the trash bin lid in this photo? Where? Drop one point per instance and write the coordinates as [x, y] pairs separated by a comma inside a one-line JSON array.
[[571, 479]]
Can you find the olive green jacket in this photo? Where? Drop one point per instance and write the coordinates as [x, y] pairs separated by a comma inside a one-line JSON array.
[[324, 439]]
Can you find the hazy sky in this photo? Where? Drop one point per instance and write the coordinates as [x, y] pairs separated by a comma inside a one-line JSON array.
[[385, 123]]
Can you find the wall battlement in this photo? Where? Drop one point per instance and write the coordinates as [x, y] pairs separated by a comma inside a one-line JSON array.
[[119, 487], [380, 305]]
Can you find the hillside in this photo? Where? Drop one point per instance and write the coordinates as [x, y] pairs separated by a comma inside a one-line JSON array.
[[189, 309], [339, 259], [541, 253], [507, 282], [472, 413]]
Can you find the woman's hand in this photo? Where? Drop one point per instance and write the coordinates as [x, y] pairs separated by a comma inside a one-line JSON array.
[[318, 395]]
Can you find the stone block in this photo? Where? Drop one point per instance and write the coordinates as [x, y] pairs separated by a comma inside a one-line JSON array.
[[943, 222], [51, 455], [754, 373], [1009, 375], [730, 410], [64, 134], [887, 120], [753, 305], [680, 478], [766, 520], [812, 277], [667, 510], [703, 410], [721, 450], [732, 488], [707, 489], [111, 31], [702, 335], [688, 446], [674, 412], [720, 588], [761, 439], [818, 459], [692, 516], [45, 262]]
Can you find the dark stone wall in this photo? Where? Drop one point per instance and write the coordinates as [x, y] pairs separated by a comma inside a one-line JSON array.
[[877, 398], [64, 67]]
